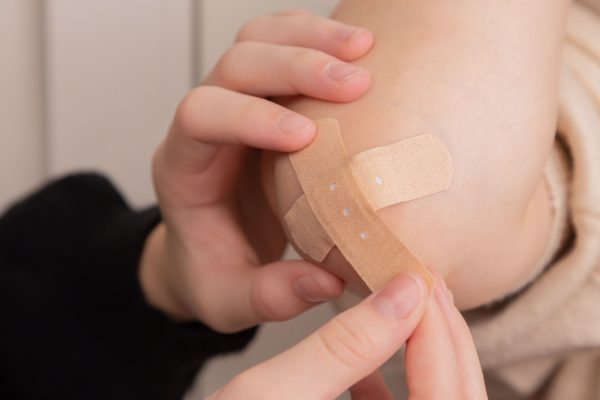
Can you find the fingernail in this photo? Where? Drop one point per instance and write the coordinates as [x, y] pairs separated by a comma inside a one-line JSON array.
[[340, 71], [311, 290], [345, 33], [399, 298], [292, 123], [442, 293], [450, 296]]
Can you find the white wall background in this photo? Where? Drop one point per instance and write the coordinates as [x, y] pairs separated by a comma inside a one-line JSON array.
[[114, 73], [22, 141], [93, 84], [89, 85]]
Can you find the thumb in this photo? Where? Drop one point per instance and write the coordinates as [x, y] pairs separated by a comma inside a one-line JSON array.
[[342, 352]]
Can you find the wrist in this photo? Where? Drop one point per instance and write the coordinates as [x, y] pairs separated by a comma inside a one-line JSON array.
[[155, 278]]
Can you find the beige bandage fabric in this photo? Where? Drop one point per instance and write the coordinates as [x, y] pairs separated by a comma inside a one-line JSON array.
[[405, 170], [333, 195], [306, 230]]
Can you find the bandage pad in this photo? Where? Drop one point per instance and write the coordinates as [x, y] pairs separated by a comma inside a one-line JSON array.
[[345, 215]]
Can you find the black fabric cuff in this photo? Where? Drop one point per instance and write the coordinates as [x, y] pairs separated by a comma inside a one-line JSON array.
[[77, 322]]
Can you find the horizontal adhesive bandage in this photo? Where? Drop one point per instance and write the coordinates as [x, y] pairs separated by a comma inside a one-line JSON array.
[[337, 210]]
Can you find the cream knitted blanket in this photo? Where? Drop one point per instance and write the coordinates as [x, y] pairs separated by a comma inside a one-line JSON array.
[[544, 342]]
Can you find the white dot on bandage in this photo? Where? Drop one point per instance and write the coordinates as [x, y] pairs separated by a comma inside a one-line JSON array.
[[346, 212], [332, 187], [378, 180]]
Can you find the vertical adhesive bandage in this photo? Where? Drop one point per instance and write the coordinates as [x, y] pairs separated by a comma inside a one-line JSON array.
[[341, 195]]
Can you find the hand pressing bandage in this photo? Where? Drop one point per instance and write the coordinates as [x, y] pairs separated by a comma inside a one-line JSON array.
[[341, 195]]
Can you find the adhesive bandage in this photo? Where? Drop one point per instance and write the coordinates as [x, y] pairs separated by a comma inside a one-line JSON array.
[[341, 195]]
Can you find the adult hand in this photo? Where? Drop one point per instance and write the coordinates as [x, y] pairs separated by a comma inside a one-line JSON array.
[[441, 360], [213, 257]]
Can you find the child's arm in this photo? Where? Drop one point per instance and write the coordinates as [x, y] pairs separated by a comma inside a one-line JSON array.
[[483, 77]]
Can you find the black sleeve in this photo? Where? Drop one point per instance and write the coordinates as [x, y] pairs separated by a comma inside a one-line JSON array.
[[75, 324]]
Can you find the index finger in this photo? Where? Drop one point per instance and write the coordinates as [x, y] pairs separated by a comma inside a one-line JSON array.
[[341, 40], [344, 351], [210, 117]]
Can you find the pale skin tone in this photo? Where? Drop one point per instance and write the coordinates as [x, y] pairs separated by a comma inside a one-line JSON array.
[[482, 77], [211, 260], [214, 258]]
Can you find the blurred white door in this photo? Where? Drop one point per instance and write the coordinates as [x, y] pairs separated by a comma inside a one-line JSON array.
[[90, 85], [22, 153]]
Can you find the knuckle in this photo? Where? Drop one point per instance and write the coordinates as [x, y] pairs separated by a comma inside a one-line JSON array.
[[302, 55], [310, 60], [216, 317], [263, 303], [248, 108], [250, 27], [318, 26], [347, 342], [192, 109], [227, 69]]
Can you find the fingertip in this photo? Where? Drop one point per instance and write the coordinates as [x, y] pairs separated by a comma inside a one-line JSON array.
[[333, 284], [321, 284], [400, 297], [362, 41], [317, 288], [359, 85], [285, 289], [294, 123], [356, 45], [442, 295], [295, 130], [350, 89]]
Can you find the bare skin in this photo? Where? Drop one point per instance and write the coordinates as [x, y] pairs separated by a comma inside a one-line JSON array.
[[214, 257], [483, 77]]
